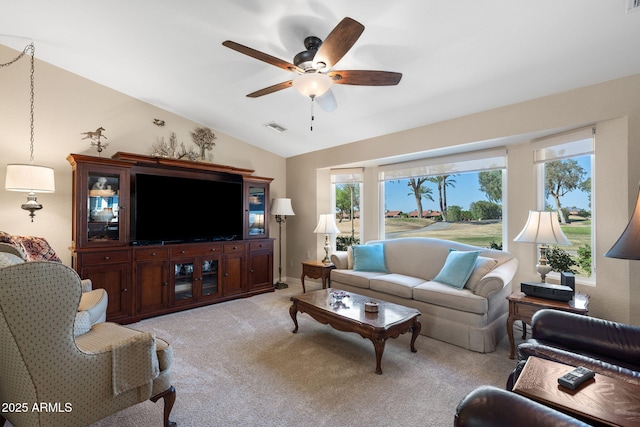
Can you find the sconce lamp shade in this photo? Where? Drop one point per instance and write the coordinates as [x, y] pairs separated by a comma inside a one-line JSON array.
[[326, 225], [30, 178], [542, 227], [312, 84], [281, 207], [628, 244]]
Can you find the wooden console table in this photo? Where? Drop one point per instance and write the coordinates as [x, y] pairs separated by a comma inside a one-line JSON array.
[[522, 307], [317, 270]]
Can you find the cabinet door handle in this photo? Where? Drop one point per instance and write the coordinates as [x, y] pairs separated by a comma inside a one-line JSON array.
[[153, 254], [165, 283], [251, 271], [226, 274], [125, 290], [182, 252], [107, 258]]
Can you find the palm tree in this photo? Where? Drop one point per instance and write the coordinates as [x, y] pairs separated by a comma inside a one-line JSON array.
[[419, 191], [443, 181]]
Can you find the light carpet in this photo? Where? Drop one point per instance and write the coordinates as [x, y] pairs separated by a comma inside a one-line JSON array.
[[238, 363]]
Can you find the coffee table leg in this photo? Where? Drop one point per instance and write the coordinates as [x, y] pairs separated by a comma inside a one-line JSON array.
[[293, 311], [417, 326], [378, 345]]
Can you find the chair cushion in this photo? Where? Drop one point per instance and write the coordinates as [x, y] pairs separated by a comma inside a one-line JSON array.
[[7, 259], [95, 304]]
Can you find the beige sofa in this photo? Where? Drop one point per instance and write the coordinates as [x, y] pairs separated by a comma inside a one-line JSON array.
[[473, 317]]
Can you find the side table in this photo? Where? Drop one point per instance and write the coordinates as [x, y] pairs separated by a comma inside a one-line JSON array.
[[522, 307], [317, 270]]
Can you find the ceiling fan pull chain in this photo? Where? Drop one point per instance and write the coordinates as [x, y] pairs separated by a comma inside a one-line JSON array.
[[313, 97]]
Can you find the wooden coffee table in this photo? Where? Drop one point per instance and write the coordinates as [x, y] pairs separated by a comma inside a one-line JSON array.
[[604, 399], [349, 315]]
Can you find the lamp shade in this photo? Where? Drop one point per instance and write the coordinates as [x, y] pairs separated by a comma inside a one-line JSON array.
[[327, 225], [281, 207], [312, 84], [29, 178], [542, 227], [628, 244]]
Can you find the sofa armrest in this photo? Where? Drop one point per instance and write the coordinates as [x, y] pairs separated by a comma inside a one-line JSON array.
[[497, 278], [590, 335], [493, 407], [339, 259]]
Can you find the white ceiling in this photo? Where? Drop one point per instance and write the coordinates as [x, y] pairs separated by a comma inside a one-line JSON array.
[[457, 57]]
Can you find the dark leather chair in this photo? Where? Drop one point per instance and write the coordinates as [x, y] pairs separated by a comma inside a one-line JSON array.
[[489, 406], [606, 347]]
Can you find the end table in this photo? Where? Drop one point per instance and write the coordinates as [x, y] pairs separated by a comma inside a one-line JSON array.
[[317, 270], [522, 307]]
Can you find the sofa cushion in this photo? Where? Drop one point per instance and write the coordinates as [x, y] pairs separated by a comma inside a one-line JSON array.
[[483, 266], [359, 279], [395, 284], [369, 258], [457, 268], [447, 296]]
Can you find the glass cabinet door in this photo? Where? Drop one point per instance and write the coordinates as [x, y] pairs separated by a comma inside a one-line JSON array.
[[183, 281], [209, 277], [103, 207], [257, 211]]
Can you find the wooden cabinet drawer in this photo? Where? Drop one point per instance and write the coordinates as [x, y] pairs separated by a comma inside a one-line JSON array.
[[526, 310], [152, 254], [234, 248], [257, 246], [109, 257], [199, 250]]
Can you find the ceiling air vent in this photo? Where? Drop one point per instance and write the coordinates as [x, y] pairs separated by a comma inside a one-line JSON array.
[[633, 6], [279, 128]]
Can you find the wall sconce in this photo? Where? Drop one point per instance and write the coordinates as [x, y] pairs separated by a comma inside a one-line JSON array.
[[29, 178]]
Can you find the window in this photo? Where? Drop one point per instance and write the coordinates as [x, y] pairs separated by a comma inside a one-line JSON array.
[[565, 171], [456, 198], [347, 188]]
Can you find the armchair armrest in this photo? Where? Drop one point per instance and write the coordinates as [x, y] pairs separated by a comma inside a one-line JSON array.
[[87, 285], [493, 407], [589, 335]]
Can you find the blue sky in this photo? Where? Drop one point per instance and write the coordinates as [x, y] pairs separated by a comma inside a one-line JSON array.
[[466, 191]]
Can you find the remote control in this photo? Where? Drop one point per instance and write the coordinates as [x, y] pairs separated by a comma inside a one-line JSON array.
[[573, 379]]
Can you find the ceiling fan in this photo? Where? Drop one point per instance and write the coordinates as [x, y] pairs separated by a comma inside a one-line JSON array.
[[314, 65]]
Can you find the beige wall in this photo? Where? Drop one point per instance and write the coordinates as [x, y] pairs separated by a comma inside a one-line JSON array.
[[614, 107], [67, 105]]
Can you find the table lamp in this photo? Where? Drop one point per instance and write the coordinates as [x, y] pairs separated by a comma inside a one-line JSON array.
[[628, 244], [542, 228], [326, 225]]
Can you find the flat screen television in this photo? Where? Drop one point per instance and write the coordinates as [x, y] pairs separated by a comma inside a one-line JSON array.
[[168, 209]]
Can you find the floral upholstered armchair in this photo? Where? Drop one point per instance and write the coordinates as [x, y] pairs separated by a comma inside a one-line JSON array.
[[89, 376]]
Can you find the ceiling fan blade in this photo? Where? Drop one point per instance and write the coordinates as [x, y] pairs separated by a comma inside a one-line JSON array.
[[262, 56], [365, 77], [270, 89], [327, 101], [338, 42]]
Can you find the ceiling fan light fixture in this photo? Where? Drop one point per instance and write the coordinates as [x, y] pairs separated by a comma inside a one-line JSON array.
[[312, 84]]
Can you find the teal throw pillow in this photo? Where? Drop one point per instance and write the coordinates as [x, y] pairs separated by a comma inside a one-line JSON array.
[[369, 258], [457, 268]]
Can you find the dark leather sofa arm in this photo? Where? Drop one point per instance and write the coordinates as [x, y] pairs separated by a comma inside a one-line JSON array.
[[489, 406], [588, 335]]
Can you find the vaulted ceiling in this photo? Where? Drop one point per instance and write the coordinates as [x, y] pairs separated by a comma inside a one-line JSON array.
[[456, 57]]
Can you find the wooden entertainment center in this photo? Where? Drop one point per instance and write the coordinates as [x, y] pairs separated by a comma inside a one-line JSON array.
[[150, 278]]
